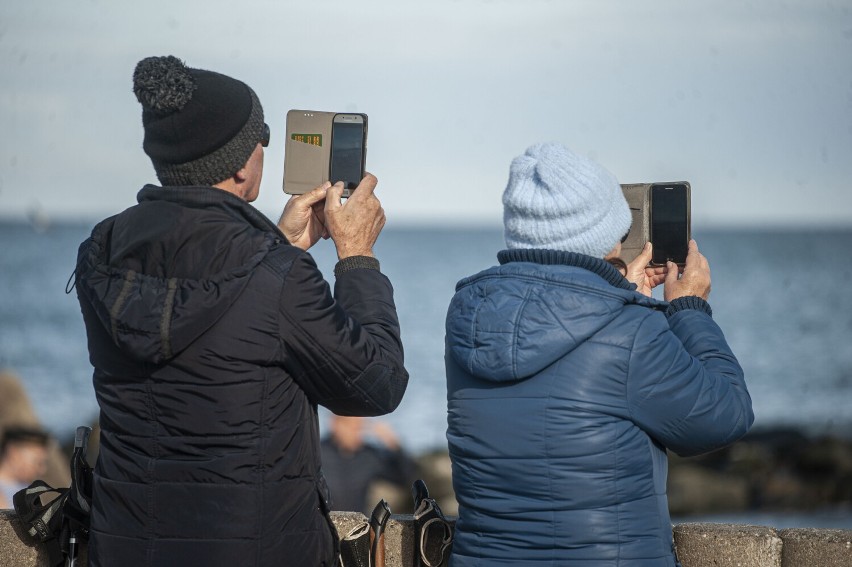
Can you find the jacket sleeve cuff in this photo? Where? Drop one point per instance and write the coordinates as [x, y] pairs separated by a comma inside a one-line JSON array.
[[688, 302], [355, 263]]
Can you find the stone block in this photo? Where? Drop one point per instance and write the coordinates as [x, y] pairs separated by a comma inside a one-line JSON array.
[[698, 545], [727, 545], [399, 541], [807, 546], [15, 551]]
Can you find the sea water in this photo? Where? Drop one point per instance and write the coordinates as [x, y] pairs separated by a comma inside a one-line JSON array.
[[783, 299]]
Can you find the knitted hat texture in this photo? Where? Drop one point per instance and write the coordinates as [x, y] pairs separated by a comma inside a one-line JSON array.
[[201, 127], [559, 200]]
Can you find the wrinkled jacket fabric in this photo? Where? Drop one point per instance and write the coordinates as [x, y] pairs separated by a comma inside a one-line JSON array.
[[565, 388], [213, 340]]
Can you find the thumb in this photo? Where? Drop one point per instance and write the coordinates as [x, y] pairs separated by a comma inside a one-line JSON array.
[[645, 254], [315, 195]]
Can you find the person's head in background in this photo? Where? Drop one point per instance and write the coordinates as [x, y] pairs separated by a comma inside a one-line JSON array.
[[347, 432], [23, 454], [350, 434]]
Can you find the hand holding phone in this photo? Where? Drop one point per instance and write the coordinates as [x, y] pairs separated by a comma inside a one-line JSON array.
[[695, 280], [303, 219], [354, 225], [638, 272]]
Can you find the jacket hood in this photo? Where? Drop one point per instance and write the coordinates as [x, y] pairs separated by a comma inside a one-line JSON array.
[[162, 273], [509, 322]]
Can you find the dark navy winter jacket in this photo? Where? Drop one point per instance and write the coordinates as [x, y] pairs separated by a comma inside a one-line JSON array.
[[213, 340], [565, 388]]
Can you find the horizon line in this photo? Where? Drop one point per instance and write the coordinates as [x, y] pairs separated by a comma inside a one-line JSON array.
[[40, 223]]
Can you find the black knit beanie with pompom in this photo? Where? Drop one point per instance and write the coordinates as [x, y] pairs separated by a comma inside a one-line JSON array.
[[200, 126]]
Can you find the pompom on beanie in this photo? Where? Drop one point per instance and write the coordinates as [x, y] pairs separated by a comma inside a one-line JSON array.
[[200, 127], [559, 200]]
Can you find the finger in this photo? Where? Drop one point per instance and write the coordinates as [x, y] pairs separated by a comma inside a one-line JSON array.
[[657, 275], [367, 185], [702, 261], [382, 218], [671, 275], [656, 280], [318, 213], [333, 195], [692, 255]]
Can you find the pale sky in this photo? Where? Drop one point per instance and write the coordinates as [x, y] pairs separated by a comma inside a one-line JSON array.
[[751, 102]]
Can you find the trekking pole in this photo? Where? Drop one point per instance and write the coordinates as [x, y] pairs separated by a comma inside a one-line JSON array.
[[71, 560], [79, 466]]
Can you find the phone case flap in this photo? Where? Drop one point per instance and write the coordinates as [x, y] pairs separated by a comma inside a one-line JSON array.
[[636, 195], [307, 150]]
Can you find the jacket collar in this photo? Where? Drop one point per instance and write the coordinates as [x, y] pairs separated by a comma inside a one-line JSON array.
[[558, 257], [203, 196]]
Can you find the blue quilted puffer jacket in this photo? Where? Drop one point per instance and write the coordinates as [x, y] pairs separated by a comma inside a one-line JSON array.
[[565, 388]]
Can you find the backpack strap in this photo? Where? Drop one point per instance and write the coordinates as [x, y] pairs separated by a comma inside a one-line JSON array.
[[355, 547], [78, 506], [42, 521]]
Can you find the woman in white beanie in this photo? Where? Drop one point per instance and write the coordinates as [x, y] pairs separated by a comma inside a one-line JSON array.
[[567, 381]]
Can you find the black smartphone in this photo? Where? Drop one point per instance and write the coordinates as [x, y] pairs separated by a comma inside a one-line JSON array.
[[670, 222], [348, 150]]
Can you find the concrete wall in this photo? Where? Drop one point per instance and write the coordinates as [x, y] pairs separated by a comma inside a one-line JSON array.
[[699, 545]]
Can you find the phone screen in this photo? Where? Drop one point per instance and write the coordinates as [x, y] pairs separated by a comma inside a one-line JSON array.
[[669, 223], [347, 150]]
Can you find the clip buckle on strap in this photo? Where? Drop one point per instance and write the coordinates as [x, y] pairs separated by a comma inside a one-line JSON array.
[[434, 533]]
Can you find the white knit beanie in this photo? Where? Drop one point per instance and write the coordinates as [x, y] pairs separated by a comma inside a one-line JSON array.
[[559, 200]]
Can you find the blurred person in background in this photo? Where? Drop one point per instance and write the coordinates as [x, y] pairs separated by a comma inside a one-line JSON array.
[[356, 453], [214, 337], [567, 382], [23, 459], [16, 410]]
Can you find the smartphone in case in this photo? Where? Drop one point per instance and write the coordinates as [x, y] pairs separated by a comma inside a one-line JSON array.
[[669, 222], [348, 150], [324, 146]]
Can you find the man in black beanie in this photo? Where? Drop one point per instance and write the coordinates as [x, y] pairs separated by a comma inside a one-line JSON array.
[[214, 337]]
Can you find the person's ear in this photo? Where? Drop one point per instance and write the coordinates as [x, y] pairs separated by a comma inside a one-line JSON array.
[[615, 252], [241, 175]]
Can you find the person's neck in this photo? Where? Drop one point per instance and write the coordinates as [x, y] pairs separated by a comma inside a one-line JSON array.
[[233, 187], [545, 256]]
